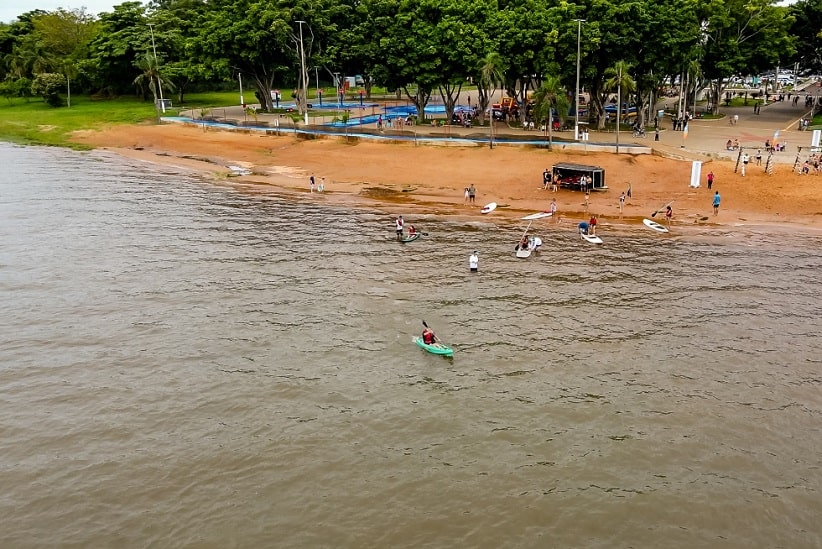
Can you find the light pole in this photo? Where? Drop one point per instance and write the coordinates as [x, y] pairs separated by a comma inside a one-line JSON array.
[[576, 99], [157, 68], [304, 98], [240, 78]]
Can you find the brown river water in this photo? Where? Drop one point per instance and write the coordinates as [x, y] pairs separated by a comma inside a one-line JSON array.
[[184, 363]]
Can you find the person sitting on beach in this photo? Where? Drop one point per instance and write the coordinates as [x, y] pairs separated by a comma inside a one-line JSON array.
[[729, 145], [428, 337]]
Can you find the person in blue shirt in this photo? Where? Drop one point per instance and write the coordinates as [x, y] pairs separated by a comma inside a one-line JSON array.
[[717, 198]]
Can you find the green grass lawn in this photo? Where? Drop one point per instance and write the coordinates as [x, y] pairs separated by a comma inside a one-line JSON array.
[[34, 122]]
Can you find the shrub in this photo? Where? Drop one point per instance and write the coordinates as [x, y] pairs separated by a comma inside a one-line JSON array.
[[48, 85]]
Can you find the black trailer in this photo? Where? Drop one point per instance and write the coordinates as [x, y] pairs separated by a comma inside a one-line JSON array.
[[569, 176]]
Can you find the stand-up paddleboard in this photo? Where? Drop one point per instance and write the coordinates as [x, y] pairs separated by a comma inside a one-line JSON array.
[[592, 238], [655, 226], [538, 215], [523, 253], [488, 208]]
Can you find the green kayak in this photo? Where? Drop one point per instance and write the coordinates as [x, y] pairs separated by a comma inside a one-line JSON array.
[[436, 348]]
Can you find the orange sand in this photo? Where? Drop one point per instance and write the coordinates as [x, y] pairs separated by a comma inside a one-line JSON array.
[[401, 178]]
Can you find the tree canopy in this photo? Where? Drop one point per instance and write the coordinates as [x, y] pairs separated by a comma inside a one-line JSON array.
[[419, 47]]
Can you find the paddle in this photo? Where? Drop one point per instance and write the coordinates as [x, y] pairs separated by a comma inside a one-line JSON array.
[[523, 236], [662, 208]]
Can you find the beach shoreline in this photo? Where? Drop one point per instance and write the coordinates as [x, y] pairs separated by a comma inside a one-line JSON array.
[[430, 180]]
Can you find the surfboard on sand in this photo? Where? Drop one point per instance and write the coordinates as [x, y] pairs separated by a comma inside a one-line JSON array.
[[538, 215], [488, 208], [655, 226], [592, 238]]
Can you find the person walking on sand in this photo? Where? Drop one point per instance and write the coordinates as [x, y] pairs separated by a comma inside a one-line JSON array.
[[321, 186], [710, 180], [553, 210], [472, 193], [465, 196], [669, 213], [621, 203], [311, 183], [399, 223], [759, 157], [717, 199]]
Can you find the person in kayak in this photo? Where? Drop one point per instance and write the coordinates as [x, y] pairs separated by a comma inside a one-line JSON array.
[[412, 231], [428, 336]]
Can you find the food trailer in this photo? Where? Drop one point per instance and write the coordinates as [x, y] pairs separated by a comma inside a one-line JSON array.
[[568, 176]]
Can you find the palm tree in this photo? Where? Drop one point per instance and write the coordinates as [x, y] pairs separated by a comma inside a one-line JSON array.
[[490, 78], [619, 78], [150, 78], [550, 96]]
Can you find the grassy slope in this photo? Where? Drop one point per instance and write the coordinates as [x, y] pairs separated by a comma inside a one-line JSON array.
[[34, 122]]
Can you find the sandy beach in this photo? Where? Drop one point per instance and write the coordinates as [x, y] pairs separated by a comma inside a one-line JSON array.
[[404, 178]]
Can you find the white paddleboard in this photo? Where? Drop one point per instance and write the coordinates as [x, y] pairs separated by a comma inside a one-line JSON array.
[[538, 215], [488, 208], [655, 226], [522, 254], [592, 238]]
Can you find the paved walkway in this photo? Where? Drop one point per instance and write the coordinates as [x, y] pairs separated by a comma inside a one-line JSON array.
[[705, 139]]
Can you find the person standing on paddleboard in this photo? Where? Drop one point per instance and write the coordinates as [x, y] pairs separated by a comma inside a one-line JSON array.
[[473, 261], [399, 227], [592, 225]]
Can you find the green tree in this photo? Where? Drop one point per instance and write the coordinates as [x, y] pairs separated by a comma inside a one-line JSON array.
[[527, 38], [619, 78], [807, 28], [123, 36], [249, 37], [742, 37], [48, 86], [550, 97], [65, 36], [490, 79]]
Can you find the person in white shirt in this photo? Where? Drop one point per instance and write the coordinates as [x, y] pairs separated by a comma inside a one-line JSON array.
[[473, 261], [399, 227]]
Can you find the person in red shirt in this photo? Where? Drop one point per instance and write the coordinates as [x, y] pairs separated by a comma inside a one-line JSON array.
[[592, 225], [428, 336], [669, 213]]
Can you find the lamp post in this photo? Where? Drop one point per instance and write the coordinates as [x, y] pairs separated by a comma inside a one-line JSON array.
[[576, 99], [240, 78], [157, 68], [303, 84]]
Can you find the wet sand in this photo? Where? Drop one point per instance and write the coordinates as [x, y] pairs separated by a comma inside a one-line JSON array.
[[403, 178]]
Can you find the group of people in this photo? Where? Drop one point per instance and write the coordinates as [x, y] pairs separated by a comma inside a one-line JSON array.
[[312, 184], [815, 162], [400, 227], [589, 228]]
